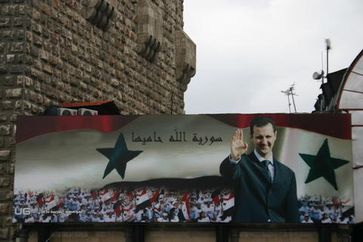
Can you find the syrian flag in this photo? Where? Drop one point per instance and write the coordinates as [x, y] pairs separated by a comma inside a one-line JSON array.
[[40, 200], [117, 208], [185, 207], [128, 213], [317, 147], [51, 202], [227, 206], [322, 164], [60, 203], [216, 197], [105, 195], [142, 199], [92, 152], [155, 196], [115, 195]]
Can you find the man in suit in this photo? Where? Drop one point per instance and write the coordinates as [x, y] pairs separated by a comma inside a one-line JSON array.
[[265, 189]]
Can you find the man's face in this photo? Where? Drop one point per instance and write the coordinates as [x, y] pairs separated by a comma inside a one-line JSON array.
[[263, 139]]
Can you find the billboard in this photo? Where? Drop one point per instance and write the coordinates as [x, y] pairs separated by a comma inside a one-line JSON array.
[[183, 169]]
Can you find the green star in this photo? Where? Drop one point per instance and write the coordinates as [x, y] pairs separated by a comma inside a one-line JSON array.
[[323, 165], [118, 157]]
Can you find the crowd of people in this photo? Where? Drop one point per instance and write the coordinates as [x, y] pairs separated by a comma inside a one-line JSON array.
[[150, 204], [145, 204], [315, 209]]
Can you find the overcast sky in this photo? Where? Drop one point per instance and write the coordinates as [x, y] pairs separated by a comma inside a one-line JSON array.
[[248, 51]]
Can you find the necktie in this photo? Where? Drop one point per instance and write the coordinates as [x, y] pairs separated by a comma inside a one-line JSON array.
[[265, 165]]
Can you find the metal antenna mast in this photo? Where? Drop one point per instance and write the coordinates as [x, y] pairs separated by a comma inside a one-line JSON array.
[[287, 93], [290, 92]]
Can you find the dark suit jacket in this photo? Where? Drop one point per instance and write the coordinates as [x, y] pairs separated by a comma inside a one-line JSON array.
[[256, 199]]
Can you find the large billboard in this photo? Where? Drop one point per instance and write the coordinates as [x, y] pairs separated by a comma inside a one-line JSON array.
[[239, 168]]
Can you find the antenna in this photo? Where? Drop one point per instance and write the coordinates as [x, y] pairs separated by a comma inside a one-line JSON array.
[[290, 92], [287, 93], [328, 47], [318, 76]]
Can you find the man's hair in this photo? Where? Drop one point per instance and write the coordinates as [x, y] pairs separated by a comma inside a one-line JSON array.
[[260, 122]]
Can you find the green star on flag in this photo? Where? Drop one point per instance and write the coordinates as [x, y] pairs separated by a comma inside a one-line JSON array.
[[323, 165], [118, 157]]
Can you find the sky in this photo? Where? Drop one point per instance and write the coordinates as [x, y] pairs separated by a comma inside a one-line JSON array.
[[248, 51]]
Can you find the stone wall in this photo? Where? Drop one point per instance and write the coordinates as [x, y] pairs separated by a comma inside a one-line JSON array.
[[54, 51]]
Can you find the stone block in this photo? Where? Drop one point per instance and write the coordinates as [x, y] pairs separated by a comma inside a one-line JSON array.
[[5, 194], [4, 182], [21, 22], [4, 208], [17, 47], [3, 168], [17, 69], [8, 141], [3, 69], [3, 46], [11, 169], [5, 130], [4, 10], [13, 93], [4, 22], [5, 221], [6, 105], [24, 81], [4, 233], [10, 58]]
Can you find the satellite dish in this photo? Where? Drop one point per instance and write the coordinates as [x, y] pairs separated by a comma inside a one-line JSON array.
[[317, 75]]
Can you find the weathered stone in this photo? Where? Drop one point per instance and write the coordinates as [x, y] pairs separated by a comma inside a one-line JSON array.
[[13, 93], [4, 181], [8, 141], [6, 105], [11, 169], [5, 221], [3, 168], [5, 194], [17, 47], [4, 208], [4, 154], [3, 69], [4, 22], [5, 129], [4, 233], [24, 81], [17, 69], [20, 22]]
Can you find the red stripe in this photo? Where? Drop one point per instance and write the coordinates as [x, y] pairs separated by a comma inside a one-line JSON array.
[[30, 126], [335, 125]]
